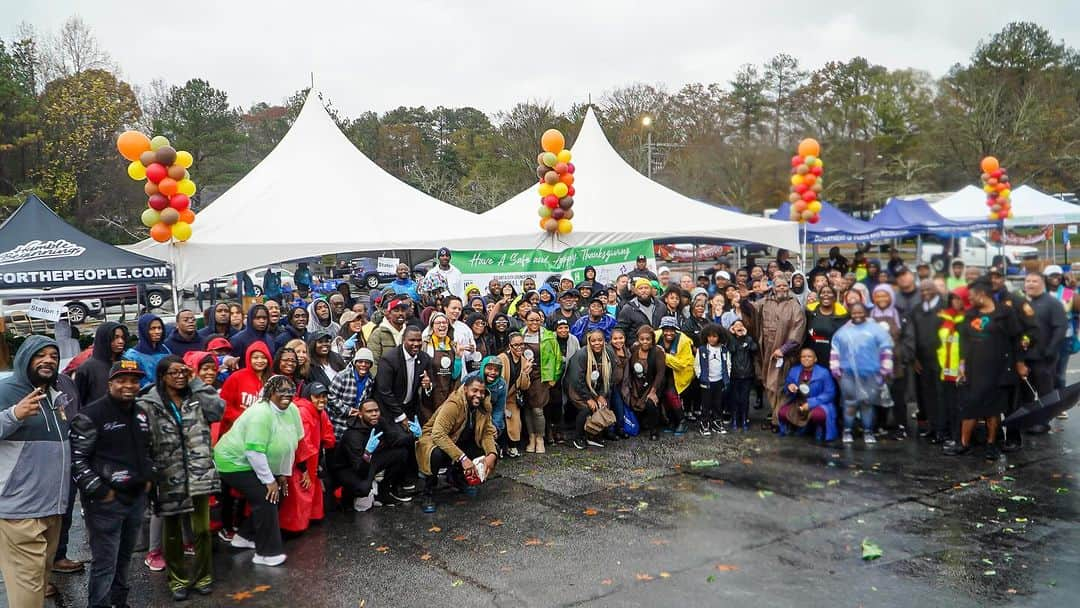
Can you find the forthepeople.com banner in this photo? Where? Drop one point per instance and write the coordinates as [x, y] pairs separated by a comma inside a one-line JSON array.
[[515, 265]]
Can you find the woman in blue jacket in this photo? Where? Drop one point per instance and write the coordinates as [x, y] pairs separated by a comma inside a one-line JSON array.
[[811, 399]]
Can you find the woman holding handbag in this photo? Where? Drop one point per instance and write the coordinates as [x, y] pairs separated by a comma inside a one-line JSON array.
[[589, 378]]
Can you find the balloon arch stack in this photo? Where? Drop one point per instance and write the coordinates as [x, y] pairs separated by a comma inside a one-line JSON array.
[[807, 169], [556, 189], [168, 212]]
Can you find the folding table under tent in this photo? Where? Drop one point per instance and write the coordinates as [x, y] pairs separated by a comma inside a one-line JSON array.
[[38, 250], [615, 204]]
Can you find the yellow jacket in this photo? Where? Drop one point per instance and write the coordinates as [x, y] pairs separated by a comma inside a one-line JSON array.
[[681, 361]]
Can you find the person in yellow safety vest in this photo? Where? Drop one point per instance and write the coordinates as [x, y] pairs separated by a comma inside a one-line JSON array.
[[949, 360]]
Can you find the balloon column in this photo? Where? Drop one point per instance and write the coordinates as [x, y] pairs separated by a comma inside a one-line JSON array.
[[556, 188], [997, 188], [806, 182], [168, 212]]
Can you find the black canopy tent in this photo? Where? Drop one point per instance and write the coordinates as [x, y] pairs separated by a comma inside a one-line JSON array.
[[38, 250]]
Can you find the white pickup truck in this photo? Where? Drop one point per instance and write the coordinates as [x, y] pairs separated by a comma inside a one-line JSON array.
[[974, 250]]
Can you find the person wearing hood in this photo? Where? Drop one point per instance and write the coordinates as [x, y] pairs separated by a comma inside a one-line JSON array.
[[670, 305], [780, 325], [323, 363], [475, 304], [92, 377], [319, 318], [485, 344], [596, 319], [303, 501], [884, 313], [799, 289], [217, 322], [491, 372], [459, 436], [184, 337], [349, 389], [151, 347], [295, 327], [35, 469], [590, 280], [861, 360], [258, 319], [549, 301], [203, 364], [639, 311]]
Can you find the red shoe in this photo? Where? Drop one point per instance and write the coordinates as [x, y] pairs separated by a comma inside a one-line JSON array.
[[155, 561]]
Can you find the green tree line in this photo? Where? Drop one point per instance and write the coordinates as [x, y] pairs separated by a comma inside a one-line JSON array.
[[883, 132]]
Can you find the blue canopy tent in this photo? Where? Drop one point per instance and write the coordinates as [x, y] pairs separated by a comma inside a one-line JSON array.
[[916, 216], [835, 226]]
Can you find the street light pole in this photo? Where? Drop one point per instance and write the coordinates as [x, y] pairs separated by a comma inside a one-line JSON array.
[[648, 154]]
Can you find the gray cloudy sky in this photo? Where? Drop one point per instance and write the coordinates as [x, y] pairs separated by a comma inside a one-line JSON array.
[[491, 54]]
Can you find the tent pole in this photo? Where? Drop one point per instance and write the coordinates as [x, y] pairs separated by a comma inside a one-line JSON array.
[[802, 255], [918, 249], [172, 281], [693, 264]]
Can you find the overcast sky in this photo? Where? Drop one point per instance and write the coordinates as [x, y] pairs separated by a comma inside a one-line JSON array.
[[492, 53]]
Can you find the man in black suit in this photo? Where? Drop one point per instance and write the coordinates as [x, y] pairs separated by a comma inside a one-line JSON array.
[[404, 379]]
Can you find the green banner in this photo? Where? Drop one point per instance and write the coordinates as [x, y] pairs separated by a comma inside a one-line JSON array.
[[515, 265]]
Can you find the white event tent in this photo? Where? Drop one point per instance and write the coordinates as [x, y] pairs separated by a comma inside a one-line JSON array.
[[614, 203], [314, 194], [1030, 207]]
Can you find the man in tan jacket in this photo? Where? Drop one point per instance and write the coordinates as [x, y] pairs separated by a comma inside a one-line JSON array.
[[459, 436]]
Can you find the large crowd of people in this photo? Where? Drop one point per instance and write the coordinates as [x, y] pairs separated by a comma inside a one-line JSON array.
[[266, 419]]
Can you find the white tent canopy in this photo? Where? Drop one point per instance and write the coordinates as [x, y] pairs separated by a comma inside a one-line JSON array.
[[1030, 207], [314, 194], [617, 204]]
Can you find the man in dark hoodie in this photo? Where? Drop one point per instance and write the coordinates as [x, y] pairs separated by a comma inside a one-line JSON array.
[[184, 337], [295, 327], [258, 320], [35, 470], [112, 467], [92, 377], [217, 322]]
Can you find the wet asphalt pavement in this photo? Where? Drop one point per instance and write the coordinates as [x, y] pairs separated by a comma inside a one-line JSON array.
[[779, 522]]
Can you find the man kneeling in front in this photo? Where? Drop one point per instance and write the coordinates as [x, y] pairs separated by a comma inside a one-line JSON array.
[[461, 437]]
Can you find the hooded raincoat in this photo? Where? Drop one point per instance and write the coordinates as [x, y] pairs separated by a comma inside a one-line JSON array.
[[92, 377], [242, 388], [243, 339]]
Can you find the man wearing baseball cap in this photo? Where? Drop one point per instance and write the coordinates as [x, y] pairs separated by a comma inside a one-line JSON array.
[[641, 270], [567, 310], [387, 334], [596, 320], [454, 282], [110, 463]]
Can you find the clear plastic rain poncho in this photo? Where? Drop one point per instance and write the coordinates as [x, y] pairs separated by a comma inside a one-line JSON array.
[[861, 351]]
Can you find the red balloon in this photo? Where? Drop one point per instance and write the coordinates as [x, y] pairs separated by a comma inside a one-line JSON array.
[[814, 219], [156, 172], [557, 214], [179, 201], [551, 201], [569, 167], [997, 173], [801, 188], [796, 160], [570, 191], [816, 170], [561, 168], [158, 202], [809, 195]]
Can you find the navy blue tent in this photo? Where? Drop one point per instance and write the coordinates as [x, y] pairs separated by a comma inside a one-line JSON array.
[[916, 216], [835, 226]]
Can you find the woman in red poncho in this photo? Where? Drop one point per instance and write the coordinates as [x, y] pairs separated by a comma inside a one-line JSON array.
[[241, 389], [304, 500]]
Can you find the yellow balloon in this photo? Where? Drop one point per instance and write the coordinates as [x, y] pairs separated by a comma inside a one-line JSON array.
[[796, 179], [563, 156], [814, 206], [184, 159], [181, 231], [560, 190], [545, 189], [988, 189], [565, 227], [186, 186], [1005, 194], [818, 163], [136, 171]]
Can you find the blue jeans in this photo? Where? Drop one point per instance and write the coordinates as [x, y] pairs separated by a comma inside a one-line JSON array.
[[619, 407], [113, 528], [866, 414]]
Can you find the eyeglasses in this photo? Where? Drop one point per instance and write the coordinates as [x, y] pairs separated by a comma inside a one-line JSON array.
[[518, 345], [177, 373]]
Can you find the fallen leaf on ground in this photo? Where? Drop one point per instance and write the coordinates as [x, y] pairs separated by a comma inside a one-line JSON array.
[[460, 537], [382, 549], [870, 550], [241, 595], [1010, 591], [764, 493], [989, 572], [495, 523], [833, 482], [701, 464], [1007, 478], [1021, 520], [1000, 489], [606, 581], [987, 562], [457, 583], [710, 579], [434, 529], [1002, 510], [624, 510], [533, 542], [641, 576], [727, 567], [261, 588], [659, 541], [1019, 498], [747, 461], [642, 505], [816, 485], [590, 512], [665, 575], [425, 557]]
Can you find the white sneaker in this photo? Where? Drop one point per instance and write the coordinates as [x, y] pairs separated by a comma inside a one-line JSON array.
[[239, 542], [363, 503], [268, 560], [869, 439], [848, 438]]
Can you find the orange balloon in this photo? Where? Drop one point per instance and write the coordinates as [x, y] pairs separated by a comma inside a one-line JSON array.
[[131, 144], [809, 179], [187, 216], [552, 141], [567, 178], [167, 186], [150, 188], [160, 232], [989, 164], [809, 147]]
